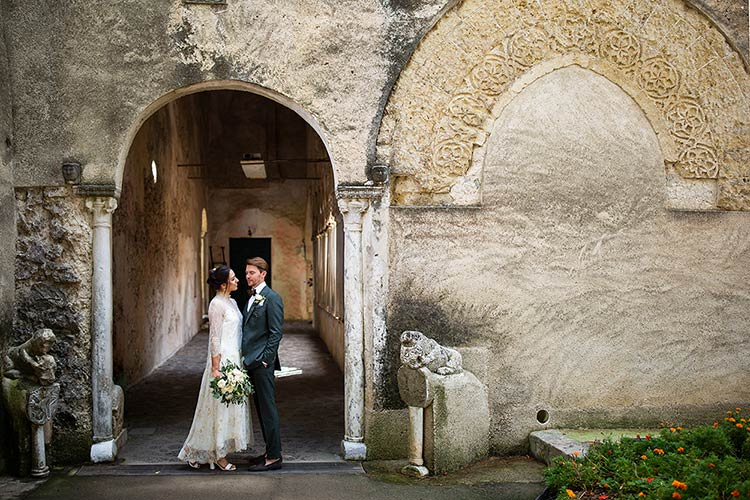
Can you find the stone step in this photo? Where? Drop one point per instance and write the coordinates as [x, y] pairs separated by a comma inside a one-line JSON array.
[[180, 469], [548, 444]]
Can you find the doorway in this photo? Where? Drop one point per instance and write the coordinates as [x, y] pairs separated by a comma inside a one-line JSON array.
[[241, 249]]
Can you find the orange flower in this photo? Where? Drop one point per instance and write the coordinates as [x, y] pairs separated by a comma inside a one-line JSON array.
[[570, 493], [679, 428], [735, 493], [743, 420], [739, 426], [641, 494], [711, 465], [603, 497], [648, 437], [649, 480], [731, 419], [729, 412], [672, 429], [716, 424], [676, 495], [644, 457], [606, 486], [677, 484], [658, 451], [738, 409], [575, 453], [680, 449]]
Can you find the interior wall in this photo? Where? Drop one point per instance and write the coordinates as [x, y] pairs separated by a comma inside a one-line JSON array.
[[156, 241], [593, 301], [327, 238], [277, 212]]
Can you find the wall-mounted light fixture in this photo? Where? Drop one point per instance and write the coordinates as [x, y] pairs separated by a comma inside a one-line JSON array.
[[253, 166]]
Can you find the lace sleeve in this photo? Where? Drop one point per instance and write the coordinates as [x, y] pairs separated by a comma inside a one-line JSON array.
[[215, 319]]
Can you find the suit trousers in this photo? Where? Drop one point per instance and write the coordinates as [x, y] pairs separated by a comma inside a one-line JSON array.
[[265, 404]]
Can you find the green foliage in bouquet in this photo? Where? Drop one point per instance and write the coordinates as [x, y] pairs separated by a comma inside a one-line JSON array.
[[707, 462], [233, 387]]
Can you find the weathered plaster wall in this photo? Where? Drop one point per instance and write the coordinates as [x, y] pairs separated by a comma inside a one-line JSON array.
[[596, 303], [278, 212], [53, 290], [86, 71], [732, 17], [156, 245], [7, 220]]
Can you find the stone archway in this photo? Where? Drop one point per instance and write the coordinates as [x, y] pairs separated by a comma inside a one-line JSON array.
[[691, 84], [353, 203]]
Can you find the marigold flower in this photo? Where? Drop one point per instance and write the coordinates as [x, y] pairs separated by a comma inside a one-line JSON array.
[[729, 412], [743, 420], [735, 493], [575, 453], [672, 429], [649, 480], [679, 427], [644, 457], [570, 493], [603, 497], [658, 451], [731, 419], [739, 426], [716, 424], [648, 437], [738, 409], [606, 486], [711, 465], [641, 494], [677, 484], [680, 449], [676, 495]]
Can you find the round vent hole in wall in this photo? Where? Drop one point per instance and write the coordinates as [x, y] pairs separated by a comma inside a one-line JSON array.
[[542, 416]]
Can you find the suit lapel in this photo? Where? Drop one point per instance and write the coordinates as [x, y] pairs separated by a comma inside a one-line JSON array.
[[249, 313]]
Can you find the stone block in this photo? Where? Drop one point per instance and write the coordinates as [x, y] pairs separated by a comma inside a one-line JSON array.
[[546, 445], [457, 424], [14, 403], [414, 386]]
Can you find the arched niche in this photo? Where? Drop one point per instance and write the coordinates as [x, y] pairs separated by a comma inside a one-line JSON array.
[[691, 84]]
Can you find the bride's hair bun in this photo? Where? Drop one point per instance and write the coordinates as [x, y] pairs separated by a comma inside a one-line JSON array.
[[218, 276]]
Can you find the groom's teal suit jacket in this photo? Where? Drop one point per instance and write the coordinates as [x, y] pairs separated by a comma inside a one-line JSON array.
[[261, 331]]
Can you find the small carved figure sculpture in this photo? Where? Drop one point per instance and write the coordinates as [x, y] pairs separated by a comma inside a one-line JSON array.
[[32, 360], [418, 351]]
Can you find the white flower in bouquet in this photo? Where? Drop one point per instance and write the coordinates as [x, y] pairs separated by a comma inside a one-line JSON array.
[[233, 386]]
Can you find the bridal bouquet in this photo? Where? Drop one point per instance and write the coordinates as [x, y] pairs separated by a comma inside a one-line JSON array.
[[233, 387]]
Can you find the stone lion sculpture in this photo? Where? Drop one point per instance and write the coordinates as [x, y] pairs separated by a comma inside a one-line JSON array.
[[31, 359], [418, 351]]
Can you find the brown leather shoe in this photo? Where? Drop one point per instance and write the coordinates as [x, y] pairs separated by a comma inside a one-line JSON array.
[[262, 467]]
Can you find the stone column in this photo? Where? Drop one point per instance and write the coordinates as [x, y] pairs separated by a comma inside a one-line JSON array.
[[353, 210], [104, 448]]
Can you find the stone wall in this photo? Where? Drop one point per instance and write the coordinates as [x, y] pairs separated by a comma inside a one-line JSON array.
[[53, 290], [7, 222], [156, 245], [596, 303]]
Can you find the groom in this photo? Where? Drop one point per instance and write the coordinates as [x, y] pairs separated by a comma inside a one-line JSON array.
[[262, 320]]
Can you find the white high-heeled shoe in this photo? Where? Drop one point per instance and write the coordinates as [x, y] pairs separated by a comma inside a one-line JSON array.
[[227, 467]]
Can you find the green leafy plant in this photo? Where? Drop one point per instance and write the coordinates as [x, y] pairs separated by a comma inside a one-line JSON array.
[[707, 462]]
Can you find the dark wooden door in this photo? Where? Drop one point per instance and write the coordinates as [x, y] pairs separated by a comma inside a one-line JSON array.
[[241, 249]]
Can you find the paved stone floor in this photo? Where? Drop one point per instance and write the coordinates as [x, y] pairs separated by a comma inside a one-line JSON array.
[[159, 410]]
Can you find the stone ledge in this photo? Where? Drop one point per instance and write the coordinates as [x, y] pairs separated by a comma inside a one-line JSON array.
[[546, 445]]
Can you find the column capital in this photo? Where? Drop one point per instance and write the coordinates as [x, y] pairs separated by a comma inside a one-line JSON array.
[[102, 208], [352, 211], [354, 200]]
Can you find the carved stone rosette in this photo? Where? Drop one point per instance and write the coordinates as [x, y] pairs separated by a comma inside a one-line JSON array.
[[442, 141]]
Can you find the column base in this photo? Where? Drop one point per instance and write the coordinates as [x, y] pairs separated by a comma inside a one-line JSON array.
[[106, 451], [415, 471], [354, 450]]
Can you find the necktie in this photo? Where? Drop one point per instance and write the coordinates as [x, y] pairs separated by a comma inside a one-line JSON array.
[[250, 294]]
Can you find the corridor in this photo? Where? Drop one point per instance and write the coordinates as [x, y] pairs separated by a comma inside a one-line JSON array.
[[159, 409]]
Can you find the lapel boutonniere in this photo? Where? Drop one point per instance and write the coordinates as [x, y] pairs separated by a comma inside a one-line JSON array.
[[259, 299]]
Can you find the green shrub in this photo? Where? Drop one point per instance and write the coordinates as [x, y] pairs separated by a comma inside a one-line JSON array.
[[707, 462]]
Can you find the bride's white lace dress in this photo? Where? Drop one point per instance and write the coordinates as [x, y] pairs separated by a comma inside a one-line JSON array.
[[218, 430]]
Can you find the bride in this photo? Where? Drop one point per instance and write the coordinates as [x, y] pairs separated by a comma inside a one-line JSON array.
[[218, 430]]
